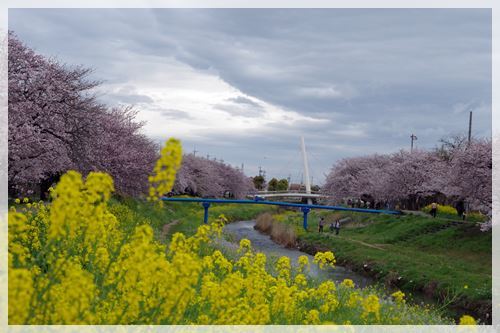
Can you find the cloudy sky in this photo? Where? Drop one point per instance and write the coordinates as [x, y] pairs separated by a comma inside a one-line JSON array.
[[243, 85]]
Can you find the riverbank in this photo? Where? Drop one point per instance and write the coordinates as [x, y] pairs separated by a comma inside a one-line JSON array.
[[449, 262]]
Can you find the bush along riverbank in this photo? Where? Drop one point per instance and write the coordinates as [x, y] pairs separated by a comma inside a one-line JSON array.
[[449, 262]]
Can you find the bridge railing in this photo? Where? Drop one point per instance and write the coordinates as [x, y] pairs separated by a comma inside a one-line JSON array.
[[288, 191], [305, 208]]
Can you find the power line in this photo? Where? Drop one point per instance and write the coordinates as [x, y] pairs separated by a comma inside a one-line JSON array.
[[290, 162], [319, 164]]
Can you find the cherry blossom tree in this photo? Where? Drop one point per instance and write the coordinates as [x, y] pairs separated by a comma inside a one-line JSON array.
[[207, 178], [46, 102], [414, 176], [117, 147], [357, 177], [469, 176], [56, 124], [457, 171]]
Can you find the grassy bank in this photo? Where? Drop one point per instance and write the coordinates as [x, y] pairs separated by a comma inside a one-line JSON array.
[[450, 262]]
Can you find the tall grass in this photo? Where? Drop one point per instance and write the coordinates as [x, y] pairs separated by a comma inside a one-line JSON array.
[[280, 233]]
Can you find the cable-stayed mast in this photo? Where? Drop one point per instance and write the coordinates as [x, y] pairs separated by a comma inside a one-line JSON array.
[[307, 179]]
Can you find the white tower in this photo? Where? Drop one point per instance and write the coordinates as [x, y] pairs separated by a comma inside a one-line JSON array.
[[306, 170]]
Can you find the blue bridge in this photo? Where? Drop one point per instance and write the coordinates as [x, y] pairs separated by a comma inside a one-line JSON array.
[[305, 208]]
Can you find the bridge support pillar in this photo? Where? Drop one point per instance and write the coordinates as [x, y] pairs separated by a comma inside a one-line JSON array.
[[306, 211], [206, 205]]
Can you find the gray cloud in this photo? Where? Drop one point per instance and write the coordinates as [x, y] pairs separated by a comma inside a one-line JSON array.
[[377, 75], [174, 114], [234, 110], [244, 101], [241, 106], [125, 95]]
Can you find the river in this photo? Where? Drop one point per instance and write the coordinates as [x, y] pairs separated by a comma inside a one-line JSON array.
[[263, 243]]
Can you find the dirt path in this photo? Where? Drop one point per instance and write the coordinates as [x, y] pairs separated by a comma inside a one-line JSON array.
[[166, 228], [373, 246]]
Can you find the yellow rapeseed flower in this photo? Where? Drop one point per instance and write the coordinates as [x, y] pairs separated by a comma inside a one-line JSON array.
[[398, 296], [324, 259], [467, 320], [245, 245], [371, 304], [303, 263], [163, 177], [312, 317], [20, 293], [348, 283]]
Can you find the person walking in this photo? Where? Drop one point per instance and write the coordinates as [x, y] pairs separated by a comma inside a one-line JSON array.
[[433, 209], [321, 224], [460, 208], [337, 227], [332, 227]]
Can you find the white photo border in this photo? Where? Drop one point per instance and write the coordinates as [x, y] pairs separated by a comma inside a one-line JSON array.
[[495, 11]]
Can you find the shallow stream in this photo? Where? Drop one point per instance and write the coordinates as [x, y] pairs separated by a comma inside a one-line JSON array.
[[263, 243]]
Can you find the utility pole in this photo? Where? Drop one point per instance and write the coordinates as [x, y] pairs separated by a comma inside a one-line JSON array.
[[470, 126], [242, 167], [413, 137], [195, 151], [262, 172]]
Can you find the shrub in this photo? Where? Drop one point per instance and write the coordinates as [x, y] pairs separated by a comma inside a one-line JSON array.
[[441, 209], [476, 217]]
